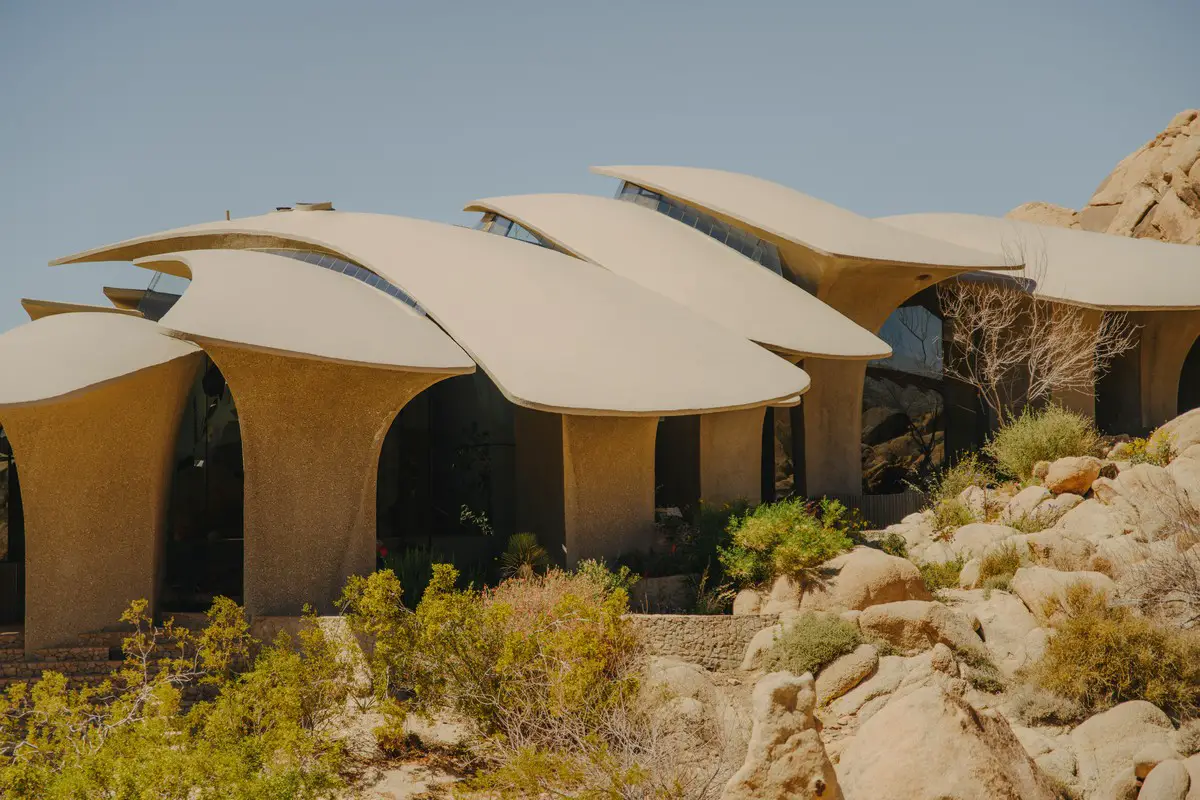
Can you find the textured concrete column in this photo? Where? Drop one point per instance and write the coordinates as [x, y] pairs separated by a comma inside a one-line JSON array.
[[1166, 339], [95, 481], [1081, 401], [833, 426], [312, 432], [731, 448], [608, 485]]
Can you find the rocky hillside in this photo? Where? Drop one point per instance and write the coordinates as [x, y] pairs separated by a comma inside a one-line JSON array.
[[1154, 193]]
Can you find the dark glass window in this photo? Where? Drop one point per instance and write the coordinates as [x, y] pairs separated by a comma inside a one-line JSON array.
[[743, 242], [335, 264]]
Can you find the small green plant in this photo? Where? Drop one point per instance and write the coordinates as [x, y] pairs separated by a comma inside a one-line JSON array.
[[1002, 561], [812, 642], [475, 519], [996, 583], [970, 470], [596, 570], [414, 567], [523, 557], [944, 575], [893, 544], [789, 538], [1046, 434], [712, 599], [1102, 656], [1156, 449], [949, 516]]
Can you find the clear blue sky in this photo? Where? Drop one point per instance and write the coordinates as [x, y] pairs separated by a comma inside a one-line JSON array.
[[123, 118]]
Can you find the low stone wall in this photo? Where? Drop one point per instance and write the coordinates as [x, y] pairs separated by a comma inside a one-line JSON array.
[[712, 641]]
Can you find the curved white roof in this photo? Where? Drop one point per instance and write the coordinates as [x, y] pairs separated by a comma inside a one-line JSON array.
[[811, 223], [553, 332], [1095, 270], [36, 309], [693, 269], [66, 353], [276, 303]]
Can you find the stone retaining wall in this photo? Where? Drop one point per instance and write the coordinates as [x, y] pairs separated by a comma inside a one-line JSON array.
[[712, 641]]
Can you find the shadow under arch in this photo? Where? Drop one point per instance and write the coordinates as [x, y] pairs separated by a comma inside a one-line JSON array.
[[447, 478], [204, 543], [12, 539], [1189, 380]]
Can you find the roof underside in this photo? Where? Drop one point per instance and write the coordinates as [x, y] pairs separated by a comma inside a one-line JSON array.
[[274, 303], [554, 333], [1094, 270], [687, 266], [36, 309], [67, 353], [795, 217]]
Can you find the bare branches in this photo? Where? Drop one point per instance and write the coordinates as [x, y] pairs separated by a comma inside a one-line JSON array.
[[1018, 349]]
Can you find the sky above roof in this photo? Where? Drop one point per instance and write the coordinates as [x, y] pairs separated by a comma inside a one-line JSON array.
[[126, 118]]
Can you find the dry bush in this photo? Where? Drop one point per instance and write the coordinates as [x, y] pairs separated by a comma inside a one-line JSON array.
[[1047, 434], [1102, 656], [1168, 585], [1019, 350], [1001, 561], [812, 642], [949, 516], [944, 575], [1033, 705]]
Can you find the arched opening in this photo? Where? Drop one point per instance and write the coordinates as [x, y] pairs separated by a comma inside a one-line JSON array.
[[1189, 380], [904, 428], [204, 549], [446, 488], [12, 540]]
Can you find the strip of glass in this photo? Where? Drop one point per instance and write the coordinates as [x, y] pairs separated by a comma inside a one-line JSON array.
[[356, 271], [749, 245]]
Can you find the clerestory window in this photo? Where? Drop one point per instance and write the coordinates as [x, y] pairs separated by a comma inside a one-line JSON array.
[[749, 245]]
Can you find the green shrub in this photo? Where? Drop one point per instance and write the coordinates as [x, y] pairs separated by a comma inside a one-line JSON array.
[[812, 642], [1157, 449], [941, 576], [1001, 561], [523, 557], [893, 544], [414, 567], [1103, 656], [267, 733], [950, 515], [596, 570], [1042, 435], [970, 470], [786, 538]]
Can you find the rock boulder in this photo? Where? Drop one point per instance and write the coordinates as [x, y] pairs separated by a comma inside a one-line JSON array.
[[1074, 475], [864, 577]]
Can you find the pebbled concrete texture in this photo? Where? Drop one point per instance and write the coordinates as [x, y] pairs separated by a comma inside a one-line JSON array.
[[95, 482]]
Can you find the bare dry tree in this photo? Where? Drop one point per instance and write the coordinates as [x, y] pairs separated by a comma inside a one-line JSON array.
[[1017, 348]]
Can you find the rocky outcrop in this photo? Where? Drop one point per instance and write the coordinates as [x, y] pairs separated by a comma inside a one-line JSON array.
[[1037, 586], [1154, 193], [1107, 745], [1074, 475], [929, 745], [864, 577], [914, 625], [847, 672], [785, 759]]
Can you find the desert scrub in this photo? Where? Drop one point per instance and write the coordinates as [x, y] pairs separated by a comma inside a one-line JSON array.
[[1156, 449], [789, 538], [943, 575], [1002, 561], [893, 544], [1103, 656], [811, 643], [1047, 434], [970, 470], [949, 516]]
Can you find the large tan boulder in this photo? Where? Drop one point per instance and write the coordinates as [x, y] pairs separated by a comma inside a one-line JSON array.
[[1040, 213], [1183, 431], [1036, 586], [1106, 745], [1023, 503], [916, 625], [1006, 626], [784, 596], [847, 672], [864, 577], [1167, 781], [1074, 475], [1092, 521], [1149, 499], [930, 745], [972, 541], [785, 759]]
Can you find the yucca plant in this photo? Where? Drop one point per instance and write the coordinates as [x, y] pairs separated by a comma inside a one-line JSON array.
[[523, 557]]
